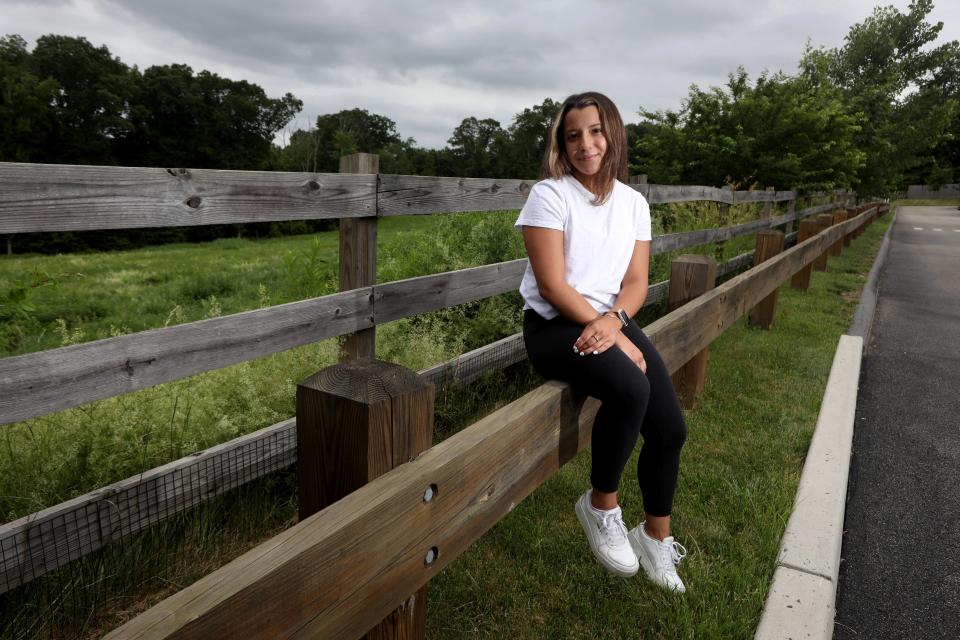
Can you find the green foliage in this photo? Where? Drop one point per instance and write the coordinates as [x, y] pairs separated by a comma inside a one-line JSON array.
[[783, 131], [71, 102], [903, 91], [17, 318], [307, 270], [28, 120], [91, 101], [528, 139], [477, 145], [202, 120]]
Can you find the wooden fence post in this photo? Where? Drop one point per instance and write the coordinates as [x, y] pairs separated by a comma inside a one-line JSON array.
[[824, 221], [690, 276], [852, 213], [723, 214], [847, 239], [358, 258], [355, 421], [801, 279], [836, 248], [792, 210], [767, 206], [769, 244]]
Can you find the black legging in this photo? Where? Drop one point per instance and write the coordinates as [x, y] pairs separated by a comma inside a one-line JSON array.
[[632, 404]]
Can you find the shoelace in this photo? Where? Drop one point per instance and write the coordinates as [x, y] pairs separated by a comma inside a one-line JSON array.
[[613, 529], [671, 553]]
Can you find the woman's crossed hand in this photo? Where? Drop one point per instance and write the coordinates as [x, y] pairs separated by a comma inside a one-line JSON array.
[[604, 332]]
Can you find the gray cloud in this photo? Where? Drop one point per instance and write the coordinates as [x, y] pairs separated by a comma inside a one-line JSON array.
[[429, 65]]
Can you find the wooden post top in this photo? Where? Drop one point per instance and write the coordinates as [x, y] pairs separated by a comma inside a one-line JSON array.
[[366, 381], [769, 232], [695, 258]]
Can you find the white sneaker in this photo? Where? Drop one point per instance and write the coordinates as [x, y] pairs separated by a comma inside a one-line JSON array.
[[608, 537], [659, 558]]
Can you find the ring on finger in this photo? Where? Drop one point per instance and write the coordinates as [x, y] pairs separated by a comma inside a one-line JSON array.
[[596, 339]]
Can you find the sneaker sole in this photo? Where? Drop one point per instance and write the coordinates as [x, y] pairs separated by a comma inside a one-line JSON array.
[[584, 524]]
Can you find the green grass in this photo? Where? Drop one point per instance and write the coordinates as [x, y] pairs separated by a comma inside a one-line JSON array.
[[52, 458], [529, 577], [926, 202]]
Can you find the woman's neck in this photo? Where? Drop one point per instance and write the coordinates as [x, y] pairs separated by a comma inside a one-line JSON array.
[[589, 183]]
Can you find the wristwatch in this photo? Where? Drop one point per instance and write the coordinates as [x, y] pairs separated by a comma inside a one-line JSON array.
[[620, 315]]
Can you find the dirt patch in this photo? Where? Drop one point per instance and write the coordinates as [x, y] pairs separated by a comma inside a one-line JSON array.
[[852, 295]]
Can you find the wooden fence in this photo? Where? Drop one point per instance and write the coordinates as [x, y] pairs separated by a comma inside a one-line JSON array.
[[336, 575], [46, 198]]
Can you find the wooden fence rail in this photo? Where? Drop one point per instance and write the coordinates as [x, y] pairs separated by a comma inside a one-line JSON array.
[[48, 539], [39, 197], [336, 575], [39, 383]]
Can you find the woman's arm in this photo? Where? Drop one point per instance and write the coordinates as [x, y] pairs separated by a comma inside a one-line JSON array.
[[545, 250], [633, 292]]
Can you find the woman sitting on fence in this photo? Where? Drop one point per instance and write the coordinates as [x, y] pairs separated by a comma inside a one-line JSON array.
[[588, 238]]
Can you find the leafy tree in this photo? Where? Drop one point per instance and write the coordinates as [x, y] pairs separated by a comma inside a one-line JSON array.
[[528, 139], [891, 78], [476, 146], [340, 134], [782, 131], [202, 120], [91, 102], [27, 118]]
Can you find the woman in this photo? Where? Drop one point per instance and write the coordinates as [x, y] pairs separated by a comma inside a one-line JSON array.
[[588, 238]]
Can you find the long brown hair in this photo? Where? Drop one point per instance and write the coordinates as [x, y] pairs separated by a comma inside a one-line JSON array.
[[556, 164]]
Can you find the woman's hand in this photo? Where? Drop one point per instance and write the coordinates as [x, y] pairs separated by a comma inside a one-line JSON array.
[[632, 351], [599, 335]]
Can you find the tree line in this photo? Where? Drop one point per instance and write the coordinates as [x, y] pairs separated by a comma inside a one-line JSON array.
[[875, 114]]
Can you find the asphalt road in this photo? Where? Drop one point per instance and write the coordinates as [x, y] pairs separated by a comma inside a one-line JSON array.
[[900, 574]]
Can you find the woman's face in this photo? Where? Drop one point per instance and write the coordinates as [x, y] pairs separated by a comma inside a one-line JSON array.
[[584, 141]]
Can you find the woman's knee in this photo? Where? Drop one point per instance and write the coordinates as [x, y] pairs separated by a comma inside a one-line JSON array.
[[674, 434], [630, 391]]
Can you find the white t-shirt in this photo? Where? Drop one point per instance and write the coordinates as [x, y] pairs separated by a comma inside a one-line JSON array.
[[598, 241]]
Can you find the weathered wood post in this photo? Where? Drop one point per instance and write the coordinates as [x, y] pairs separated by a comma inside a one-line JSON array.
[[824, 221], [767, 206], [358, 257], [801, 279], [769, 244], [723, 215], [361, 418], [355, 421], [690, 276], [792, 210], [847, 239], [852, 213], [836, 248]]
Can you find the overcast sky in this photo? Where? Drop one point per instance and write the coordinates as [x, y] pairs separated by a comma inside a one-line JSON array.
[[428, 65]]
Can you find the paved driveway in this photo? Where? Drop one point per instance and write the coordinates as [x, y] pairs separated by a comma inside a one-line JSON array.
[[900, 576]]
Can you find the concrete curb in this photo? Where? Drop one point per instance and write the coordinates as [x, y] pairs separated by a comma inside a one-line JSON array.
[[863, 317], [802, 597]]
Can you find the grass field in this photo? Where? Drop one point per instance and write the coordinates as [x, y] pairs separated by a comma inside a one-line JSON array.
[[743, 453]]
